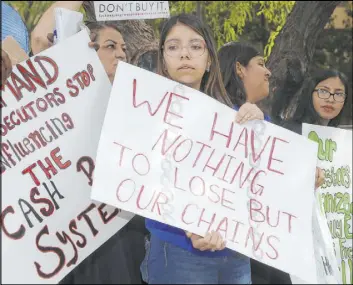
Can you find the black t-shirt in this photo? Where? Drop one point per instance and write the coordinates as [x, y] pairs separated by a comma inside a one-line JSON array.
[[117, 261]]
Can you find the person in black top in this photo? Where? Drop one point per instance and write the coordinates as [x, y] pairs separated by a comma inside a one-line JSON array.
[[321, 99]]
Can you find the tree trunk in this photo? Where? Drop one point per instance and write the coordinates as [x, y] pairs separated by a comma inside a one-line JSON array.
[[295, 45], [138, 35]]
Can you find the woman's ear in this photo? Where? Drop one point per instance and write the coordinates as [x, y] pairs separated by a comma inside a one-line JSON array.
[[239, 70], [208, 65]]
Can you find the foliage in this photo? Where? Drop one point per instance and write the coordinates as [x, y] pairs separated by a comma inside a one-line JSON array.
[[30, 11], [227, 19]]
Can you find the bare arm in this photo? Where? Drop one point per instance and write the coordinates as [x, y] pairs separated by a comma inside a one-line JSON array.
[[46, 25]]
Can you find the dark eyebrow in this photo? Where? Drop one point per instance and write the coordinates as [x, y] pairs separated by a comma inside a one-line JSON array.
[[177, 40], [328, 88], [323, 86], [114, 42]]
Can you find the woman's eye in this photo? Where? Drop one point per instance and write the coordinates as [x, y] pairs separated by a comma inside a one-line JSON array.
[[110, 46], [173, 47], [323, 91], [196, 47]]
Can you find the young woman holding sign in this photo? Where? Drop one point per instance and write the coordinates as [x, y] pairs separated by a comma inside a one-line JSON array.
[[246, 79], [322, 97], [187, 55]]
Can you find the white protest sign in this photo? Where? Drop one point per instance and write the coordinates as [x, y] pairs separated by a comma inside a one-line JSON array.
[[130, 10], [175, 155], [67, 23], [334, 153], [326, 262], [53, 107]]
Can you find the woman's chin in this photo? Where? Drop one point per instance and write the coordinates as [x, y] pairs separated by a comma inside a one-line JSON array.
[[188, 82]]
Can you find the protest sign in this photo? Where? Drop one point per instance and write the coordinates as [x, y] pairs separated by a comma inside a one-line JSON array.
[[67, 23], [326, 262], [53, 108], [172, 154], [334, 153], [130, 10]]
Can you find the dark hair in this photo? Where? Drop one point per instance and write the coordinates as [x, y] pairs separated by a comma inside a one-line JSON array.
[[95, 26], [212, 81], [304, 111], [228, 55]]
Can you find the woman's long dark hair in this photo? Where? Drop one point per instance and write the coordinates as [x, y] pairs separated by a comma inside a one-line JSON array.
[[304, 111], [228, 55], [212, 81]]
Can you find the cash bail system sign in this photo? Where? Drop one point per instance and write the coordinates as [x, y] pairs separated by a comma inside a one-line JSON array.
[[53, 107], [130, 10], [172, 154]]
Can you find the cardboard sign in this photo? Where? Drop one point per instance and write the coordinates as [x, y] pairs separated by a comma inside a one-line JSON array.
[[334, 153], [130, 10], [170, 153], [52, 108]]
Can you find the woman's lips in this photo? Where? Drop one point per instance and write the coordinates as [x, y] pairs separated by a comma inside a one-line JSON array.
[[328, 108]]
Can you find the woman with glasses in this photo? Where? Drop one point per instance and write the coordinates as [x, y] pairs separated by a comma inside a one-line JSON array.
[[322, 98], [187, 55]]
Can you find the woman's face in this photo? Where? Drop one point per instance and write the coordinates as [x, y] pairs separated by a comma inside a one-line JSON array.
[[112, 50], [255, 77], [327, 106], [186, 57]]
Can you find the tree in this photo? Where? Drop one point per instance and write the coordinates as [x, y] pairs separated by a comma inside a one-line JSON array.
[[297, 40], [287, 31], [139, 36], [227, 19]]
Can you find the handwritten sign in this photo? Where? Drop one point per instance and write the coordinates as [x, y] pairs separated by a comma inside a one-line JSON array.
[[334, 152], [130, 10], [175, 155], [53, 108], [327, 270]]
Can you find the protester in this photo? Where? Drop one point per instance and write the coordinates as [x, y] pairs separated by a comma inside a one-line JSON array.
[[246, 79], [187, 55], [321, 100], [322, 97], [46, 25], [12, 25], [244, 73]]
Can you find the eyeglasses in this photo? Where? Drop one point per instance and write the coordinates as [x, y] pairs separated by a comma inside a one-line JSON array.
[[325, 94], [195, 49]]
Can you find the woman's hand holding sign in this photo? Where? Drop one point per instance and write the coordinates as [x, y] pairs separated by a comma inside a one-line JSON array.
[[248, 112], [319, 177], [212, 241]]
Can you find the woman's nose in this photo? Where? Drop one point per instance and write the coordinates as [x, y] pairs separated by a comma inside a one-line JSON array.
[[120, 54]]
